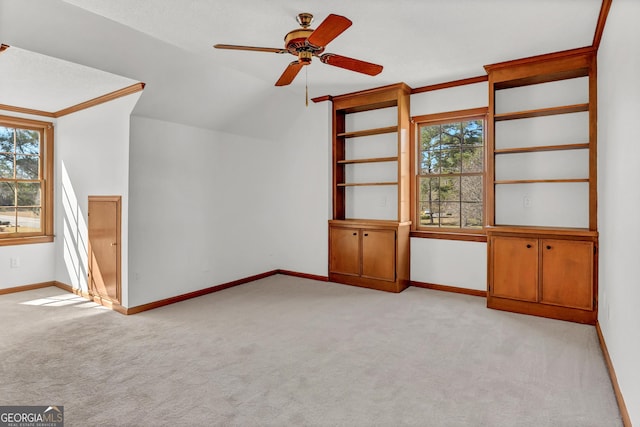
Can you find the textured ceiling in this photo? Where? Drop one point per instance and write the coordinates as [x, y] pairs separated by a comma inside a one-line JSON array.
[[168, 45], [40, 82]]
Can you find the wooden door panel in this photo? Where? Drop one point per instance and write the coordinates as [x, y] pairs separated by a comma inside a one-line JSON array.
[[379, 254], [567, 273], [515, 268], [344, 251], [104, 251]]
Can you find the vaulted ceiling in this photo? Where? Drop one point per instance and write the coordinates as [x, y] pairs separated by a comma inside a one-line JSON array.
[[71, 50]]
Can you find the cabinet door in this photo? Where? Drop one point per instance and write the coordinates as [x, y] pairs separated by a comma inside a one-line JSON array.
[[567, 273], [379, 254], [344, 250], [515, 268]]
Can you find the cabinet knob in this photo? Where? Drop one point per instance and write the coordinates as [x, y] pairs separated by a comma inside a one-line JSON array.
[[548, 247], [366, 234], [529, 246], [355, 234]]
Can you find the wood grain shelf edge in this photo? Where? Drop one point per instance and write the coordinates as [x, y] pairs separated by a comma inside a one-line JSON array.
[[368, 132], [364, 184], [540, 112], [541, 148], [370, 160], [539, 181]]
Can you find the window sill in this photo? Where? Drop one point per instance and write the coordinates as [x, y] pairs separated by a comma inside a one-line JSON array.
[[11, 241], [479, 236]]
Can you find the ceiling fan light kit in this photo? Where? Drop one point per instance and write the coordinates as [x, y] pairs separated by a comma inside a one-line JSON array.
[[305, 43]]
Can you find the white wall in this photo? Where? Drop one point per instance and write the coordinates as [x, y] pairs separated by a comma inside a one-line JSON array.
[[36, 264], [205, 208], [449, 262], [36, 261], [618, 196], [91, 158], [305, 190]]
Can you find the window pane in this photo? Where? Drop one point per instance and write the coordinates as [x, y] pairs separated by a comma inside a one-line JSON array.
[[472, 159], [429, 189], [429, 162], [28, 193], [27, 167], [450, 161], [449, 189], [6, 165], [6, 139], [27, 141], [473, 134], [451, 135], [7, 220], [29, 220], [450, 214], [7, 194], [471, 189], [430, 137], [430, 214], [472, 215]]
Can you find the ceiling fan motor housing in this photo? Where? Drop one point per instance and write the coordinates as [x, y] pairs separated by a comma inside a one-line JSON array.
[[296, 41]]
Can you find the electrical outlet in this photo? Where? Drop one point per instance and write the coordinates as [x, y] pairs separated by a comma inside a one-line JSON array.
[[14, 262], [526, 202]]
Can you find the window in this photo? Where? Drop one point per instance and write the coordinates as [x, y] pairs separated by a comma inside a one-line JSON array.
[[450, 171], [26, 181]]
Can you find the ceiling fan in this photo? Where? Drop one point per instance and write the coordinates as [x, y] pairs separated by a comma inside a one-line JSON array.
[[305, 43]]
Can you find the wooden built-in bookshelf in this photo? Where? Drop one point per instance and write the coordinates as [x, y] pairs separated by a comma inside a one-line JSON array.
[[370, 252], [537, 266]]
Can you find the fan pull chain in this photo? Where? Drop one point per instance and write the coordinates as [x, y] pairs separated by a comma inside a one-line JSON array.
[[306, 87]]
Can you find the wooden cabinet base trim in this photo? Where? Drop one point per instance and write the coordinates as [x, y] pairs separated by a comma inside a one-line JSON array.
[[365, 282], [543, 310]]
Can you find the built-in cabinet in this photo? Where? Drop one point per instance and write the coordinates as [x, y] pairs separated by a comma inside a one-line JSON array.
[[369, 254], [542, 189], [369, 231], [541, 273]]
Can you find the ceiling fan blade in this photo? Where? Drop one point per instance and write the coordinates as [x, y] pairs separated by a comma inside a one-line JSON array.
[[351, 64], [290, 73], [328, 30], [252, 48]]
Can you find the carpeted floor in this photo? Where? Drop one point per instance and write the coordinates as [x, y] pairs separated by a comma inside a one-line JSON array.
[[284, 351]]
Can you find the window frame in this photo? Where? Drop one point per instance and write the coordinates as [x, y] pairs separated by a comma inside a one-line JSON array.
[[450, 233], [46, 130]]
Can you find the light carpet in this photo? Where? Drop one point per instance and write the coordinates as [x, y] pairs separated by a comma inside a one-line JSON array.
[[285, 351]]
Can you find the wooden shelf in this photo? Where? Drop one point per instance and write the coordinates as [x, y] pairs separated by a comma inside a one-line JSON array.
[[364, 184], [541, 148], [371, 160], [536, 181], [368, 132], [540, 112]]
